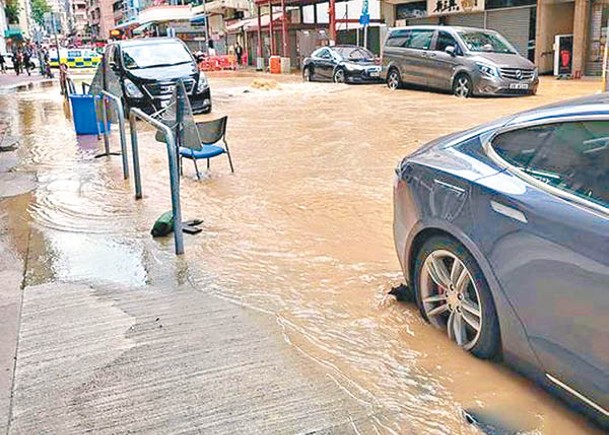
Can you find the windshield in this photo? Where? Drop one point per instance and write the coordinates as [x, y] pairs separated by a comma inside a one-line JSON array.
[[150, 56], [486, 42], [354, 53]]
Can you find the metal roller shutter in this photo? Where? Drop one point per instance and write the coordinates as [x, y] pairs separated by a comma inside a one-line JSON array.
[[467, 20], [513, 24]]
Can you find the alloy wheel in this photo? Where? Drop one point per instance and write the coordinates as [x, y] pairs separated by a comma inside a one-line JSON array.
[[339, 76], [306, 75], [462, 87], [393, 80], [450, 298]]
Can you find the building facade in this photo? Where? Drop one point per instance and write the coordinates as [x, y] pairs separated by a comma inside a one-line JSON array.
[[100, 17], [531, 25], [79, 17]]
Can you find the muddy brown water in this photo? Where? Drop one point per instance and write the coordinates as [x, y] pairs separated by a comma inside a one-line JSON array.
[[303, 230]]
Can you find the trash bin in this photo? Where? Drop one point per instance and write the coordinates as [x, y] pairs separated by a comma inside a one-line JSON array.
[[275, 64], [84, 114]]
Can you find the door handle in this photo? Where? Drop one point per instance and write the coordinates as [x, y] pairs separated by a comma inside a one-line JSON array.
[[431, 54], [508, 211], [423, 54]]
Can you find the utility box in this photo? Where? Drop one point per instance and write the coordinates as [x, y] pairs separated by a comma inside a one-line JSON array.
[[260, 64], [285, 65]]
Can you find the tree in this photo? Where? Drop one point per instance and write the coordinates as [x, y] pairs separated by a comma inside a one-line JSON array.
[[12, 9], [39, 8]]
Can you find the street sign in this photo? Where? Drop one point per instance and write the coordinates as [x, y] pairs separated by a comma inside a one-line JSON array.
[[364, 20]]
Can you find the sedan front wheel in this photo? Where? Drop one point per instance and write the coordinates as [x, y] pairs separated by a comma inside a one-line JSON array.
[[339, 76], [453, 295]]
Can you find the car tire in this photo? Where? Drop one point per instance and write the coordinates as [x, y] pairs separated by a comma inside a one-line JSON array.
[[394, 80], [339, 76], [463, 86], [462, 302], [306, 74]]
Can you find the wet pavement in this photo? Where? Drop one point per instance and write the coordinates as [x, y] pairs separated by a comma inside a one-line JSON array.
[[284, 291]]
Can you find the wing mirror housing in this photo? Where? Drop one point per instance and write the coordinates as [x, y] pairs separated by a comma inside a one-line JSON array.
[[451, 50]]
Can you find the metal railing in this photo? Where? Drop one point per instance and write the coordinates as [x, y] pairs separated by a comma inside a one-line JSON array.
[[120, 114], [174, 176]]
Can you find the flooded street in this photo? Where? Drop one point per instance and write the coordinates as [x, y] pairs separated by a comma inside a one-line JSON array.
[[302, 232]]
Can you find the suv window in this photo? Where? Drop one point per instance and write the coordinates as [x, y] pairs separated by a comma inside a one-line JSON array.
[[444, 40], [571, 156], [398, 38], [420, 39]]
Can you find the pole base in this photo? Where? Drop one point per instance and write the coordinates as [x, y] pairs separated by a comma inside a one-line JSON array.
[[260, 64]]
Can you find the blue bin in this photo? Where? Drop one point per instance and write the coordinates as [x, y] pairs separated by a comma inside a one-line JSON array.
[[83, 113]]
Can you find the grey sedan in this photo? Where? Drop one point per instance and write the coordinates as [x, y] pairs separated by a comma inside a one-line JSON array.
[[502, 232]]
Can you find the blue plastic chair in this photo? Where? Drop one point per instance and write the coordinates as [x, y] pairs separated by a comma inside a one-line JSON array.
[[210, 134]]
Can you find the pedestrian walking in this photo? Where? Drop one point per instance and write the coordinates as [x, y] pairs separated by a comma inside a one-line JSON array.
[[27, 60], [2, 64], [63, 78], [17, 62], [239, 53]]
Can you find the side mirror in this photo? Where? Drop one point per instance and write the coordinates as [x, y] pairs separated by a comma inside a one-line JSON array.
[[451, 50], [112, 65]]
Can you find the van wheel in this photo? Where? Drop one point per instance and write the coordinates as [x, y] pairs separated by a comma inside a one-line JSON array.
[[463, 86], [394, 81]]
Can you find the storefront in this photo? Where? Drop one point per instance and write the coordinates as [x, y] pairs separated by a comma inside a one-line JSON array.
[[599, 16]]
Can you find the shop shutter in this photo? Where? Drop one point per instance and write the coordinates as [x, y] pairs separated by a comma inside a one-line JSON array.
[[467, 20], [513, 24]]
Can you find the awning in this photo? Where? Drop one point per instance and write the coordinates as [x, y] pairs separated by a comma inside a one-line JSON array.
[[264, 21], [141, 29], [237, 26], [13, 33], [198, 19], [127, 24]]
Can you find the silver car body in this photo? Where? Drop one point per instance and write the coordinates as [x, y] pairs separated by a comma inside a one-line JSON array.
[[428, 63]]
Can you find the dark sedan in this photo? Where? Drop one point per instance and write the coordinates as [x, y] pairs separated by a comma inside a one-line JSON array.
[[502, 233], [342, 64]]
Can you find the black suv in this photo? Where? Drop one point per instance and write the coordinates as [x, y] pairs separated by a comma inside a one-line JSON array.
[[148, 69]]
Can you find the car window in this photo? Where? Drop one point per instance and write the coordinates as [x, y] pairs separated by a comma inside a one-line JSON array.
[[444, 40], [317, 53], [571, 156], [420, 39], [398, 38], [485, 41], [157, 55], [354, 53]]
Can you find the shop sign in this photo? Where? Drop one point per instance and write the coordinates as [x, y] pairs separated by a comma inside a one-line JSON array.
[[443, 7]]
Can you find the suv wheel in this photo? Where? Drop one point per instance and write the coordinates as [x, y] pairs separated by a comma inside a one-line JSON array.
[[462, 86], [453, 295], [394, 81]]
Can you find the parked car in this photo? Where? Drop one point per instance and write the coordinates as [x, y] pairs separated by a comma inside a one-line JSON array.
[[8, 61], [342, 64], [148, 69], [502, 232], [466, 61]]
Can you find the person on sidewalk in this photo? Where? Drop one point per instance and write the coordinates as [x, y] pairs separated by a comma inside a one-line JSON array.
[[17, 62], [238, 53], [2, 64], [27, 60]]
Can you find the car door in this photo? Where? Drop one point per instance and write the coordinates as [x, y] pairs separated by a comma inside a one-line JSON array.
[[444, 64], [419, 63], [325, 64], [551, 253]]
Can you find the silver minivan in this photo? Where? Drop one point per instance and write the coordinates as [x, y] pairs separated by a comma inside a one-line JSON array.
[[464, 60]]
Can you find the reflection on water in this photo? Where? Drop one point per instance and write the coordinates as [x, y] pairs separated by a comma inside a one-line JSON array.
[[303, 230]]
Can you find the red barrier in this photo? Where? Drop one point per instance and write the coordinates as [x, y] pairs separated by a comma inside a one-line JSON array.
[[217, 63]]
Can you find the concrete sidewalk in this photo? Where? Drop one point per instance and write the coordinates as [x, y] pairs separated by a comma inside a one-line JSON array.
[[10, 80], [156, 360]]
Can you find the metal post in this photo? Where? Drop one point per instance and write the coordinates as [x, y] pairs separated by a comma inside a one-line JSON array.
[[271, 29], [332, 13], [284, 30], [105, 126], [260, 57], [605, 55], [206, 26], [174, 176], [120, 114], [135, 155], [365, 36]]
